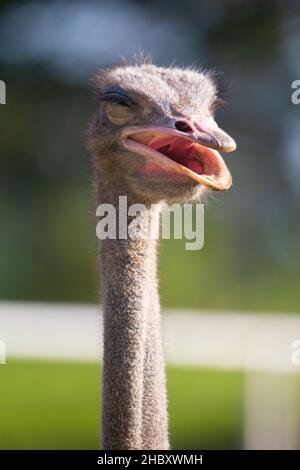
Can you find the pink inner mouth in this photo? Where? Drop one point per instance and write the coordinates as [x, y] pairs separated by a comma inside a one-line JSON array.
[[180, 150], [185, 156]]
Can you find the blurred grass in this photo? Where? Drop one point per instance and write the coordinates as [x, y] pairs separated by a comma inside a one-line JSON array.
[[56, 405]]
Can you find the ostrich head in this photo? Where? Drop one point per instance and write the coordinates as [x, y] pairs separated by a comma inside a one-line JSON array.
[[155, 134]]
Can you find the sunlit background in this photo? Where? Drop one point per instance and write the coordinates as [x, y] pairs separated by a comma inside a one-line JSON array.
[[250, 261]]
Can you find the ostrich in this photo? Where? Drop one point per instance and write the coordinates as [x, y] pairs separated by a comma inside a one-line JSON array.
[[153, 139]]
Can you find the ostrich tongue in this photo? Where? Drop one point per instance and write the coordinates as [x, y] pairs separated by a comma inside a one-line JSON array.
[[180, 151]]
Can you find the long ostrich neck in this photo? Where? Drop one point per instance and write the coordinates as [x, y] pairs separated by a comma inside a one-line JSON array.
[[134, 392]]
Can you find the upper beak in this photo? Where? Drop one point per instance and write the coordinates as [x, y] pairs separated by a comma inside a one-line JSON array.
[[208, 133]]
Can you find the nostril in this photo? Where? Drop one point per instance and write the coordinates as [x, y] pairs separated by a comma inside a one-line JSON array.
[[183, 126]]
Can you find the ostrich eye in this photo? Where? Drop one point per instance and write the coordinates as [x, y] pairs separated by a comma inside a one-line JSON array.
[[117, 106], [118, 113]]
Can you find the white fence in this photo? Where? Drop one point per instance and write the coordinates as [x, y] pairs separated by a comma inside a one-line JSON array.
[[261, 344]]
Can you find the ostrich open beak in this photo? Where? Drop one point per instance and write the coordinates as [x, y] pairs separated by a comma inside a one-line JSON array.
[[193, 151]]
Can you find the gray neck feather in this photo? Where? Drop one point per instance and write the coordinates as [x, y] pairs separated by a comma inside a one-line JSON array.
[[134, 384]]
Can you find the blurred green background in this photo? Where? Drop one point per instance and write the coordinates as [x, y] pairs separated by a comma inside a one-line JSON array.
[[58, 407], [250, 260]]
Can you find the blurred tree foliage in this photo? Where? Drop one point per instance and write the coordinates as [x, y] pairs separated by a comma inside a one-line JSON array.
[[251, 255]]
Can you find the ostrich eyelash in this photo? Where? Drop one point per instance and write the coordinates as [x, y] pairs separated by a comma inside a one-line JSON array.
[[117, 98]]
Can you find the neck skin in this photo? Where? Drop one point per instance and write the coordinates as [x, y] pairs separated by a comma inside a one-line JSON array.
[[134, 385]]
